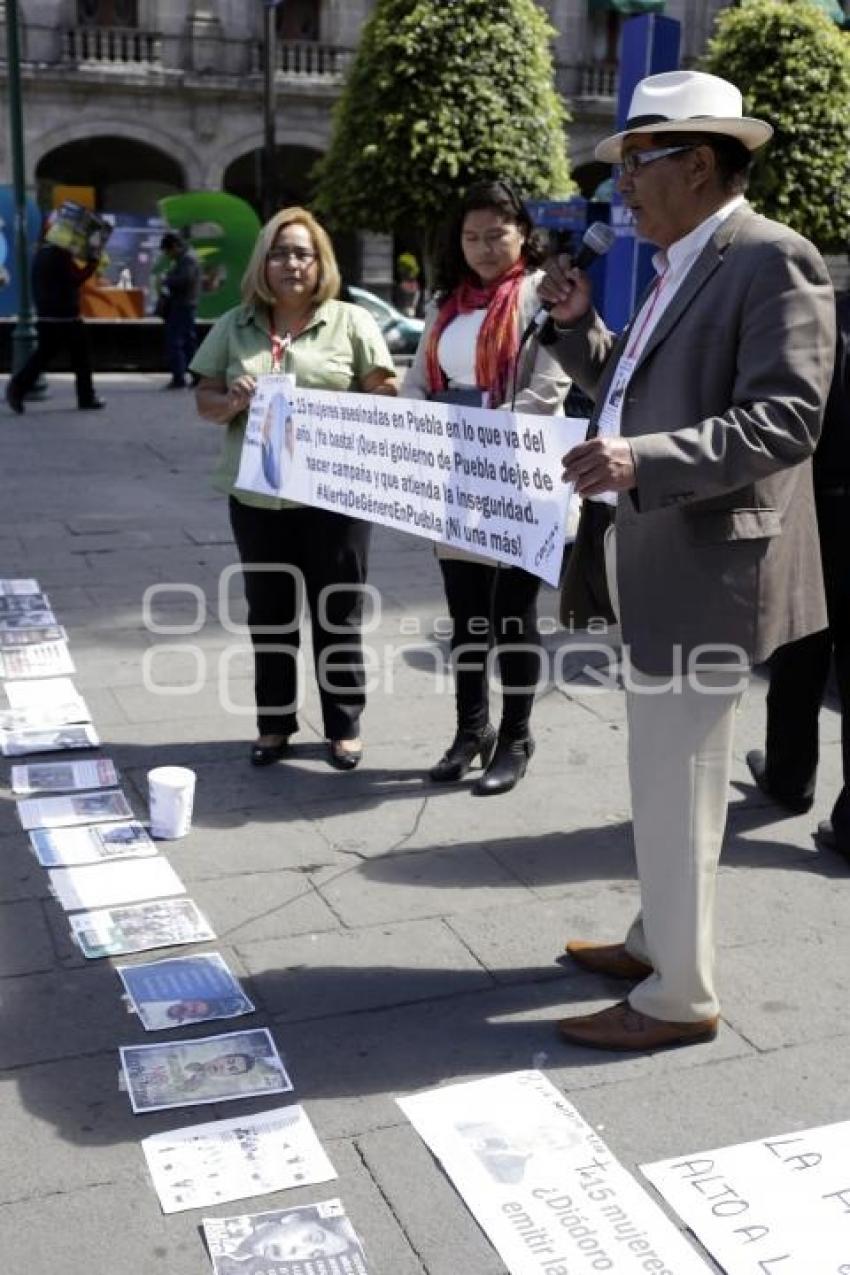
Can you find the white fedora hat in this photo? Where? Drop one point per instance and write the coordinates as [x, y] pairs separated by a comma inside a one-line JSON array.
[[686, 102]]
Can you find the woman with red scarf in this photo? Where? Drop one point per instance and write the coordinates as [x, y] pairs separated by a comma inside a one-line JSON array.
[[485, 295]]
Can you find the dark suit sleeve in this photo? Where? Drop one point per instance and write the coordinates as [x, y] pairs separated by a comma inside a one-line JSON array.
[[785, 343]]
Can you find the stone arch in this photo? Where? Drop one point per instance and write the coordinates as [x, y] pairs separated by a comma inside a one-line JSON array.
[[89, 130], [308, 138]]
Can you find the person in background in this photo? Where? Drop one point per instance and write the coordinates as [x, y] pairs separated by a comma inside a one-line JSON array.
[[179, 289], [785, 771], [485, 295], [56, 282], [290, 321], [707, 410]]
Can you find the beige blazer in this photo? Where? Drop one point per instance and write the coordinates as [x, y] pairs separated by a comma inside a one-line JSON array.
[[718, 545], [541, 383]]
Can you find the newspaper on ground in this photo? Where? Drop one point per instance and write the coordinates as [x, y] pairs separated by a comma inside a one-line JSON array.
[[312, 1239], [18, 743], [141, 927], [542, 1184], [11, 639], [776, 1206], [47, 695], [12, 588], [103, 885], [42, 660], [21, 603], [10, 621], [188, 1073], [184, 989], [64, 776], [44, 716], [69, 847], [61, 812], [225, 1160]]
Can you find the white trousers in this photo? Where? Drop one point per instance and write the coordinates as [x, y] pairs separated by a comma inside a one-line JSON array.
[[681, 731]]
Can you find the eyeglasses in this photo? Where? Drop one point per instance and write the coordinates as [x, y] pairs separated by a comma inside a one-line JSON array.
[[279, 256], [632, 162]]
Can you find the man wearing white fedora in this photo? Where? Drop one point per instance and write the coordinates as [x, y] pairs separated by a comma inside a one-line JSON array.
[[707, 410]]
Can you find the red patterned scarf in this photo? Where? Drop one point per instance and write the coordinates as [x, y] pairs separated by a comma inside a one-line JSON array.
[[498, 338]]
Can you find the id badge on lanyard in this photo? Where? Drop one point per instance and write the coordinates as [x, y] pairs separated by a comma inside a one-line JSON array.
[[608, 424]]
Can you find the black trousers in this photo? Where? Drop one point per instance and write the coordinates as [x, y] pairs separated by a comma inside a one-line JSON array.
[[54, 336], [799, 673], [493, 606], [321, 549]]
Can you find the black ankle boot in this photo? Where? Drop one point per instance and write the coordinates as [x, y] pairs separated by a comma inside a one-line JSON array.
[[461, 753], [509, 764]]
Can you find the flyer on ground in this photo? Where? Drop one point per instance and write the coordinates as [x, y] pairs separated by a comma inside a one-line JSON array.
[[47, 695], [60, 812], [103, 885], [64, 776], [69, 847], [11, 639], [184, 989], [225, 1160], [776, 1206], [484, 481], [12, 588], [18, 743], [542, 1184], [313, 1239], [139, 927], [42, 660], [187, 1073], [10, 621], [21, 603]]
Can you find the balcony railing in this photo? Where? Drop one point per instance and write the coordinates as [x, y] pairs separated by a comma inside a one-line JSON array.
[[111, 46], [305, 59], [598, 79]]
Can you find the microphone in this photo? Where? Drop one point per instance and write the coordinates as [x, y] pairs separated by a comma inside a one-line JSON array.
[[596, 241]]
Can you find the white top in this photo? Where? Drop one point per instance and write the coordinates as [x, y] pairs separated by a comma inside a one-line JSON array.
[[672, 268], [456, 347]]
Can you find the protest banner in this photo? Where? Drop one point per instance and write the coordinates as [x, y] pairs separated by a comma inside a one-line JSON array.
[[776, 1206], [542, 1184], [483, 481]]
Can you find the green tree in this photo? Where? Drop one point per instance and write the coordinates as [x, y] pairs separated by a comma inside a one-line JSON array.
[[792, 64], [440, 94]]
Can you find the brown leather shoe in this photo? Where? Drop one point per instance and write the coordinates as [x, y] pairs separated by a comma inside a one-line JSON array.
[[622, 1028], [607, 958]]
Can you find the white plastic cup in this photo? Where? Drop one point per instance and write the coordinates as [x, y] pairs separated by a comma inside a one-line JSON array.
[[171, 791]]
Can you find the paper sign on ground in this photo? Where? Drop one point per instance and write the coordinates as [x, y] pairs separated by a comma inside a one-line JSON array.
[[18, 743], [140, 927], [184, 989], [45, 694], [16, 587], [43, 715], [484, 481], [41, 660], [317, 1239], [35, 619], [235, 1159], [101, 885], [64, 776], [22, 603], [11, 639], [542, 1184], [61, 812], [68, 847], [777, 1206], [187, 1073]]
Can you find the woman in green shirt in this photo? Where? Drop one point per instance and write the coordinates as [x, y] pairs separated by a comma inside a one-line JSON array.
[[291, 322]]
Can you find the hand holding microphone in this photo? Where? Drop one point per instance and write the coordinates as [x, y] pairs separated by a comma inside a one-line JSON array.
[[565, 291]]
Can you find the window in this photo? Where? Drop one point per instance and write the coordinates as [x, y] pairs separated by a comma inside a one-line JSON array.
[[108, 13], [299, 20]]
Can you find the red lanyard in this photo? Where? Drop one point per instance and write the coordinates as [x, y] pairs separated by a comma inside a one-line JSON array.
[[656, 293], [280, 344]]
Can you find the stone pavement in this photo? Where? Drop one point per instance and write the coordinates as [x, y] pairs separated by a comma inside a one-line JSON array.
[[394, 935]]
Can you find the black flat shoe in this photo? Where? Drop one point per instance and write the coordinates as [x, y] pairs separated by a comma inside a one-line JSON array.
[[91, 405], [267, 754], [461, 753], [14, 398], [794, 803], [342, 758], [509, 764]]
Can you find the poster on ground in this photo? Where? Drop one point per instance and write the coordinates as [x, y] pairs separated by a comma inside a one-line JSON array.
[[775, 1206], [236, 1159], [185, 989], [483, 481], [186, 1073], [139, 927], [542, 1184], [313, 1239]]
